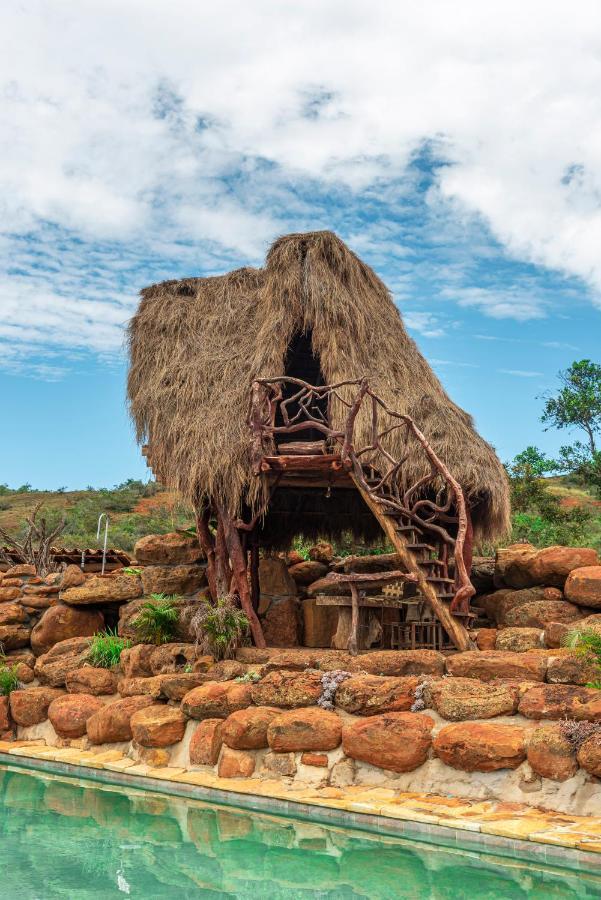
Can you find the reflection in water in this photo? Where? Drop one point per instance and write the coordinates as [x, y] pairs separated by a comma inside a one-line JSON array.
[[61, 838]]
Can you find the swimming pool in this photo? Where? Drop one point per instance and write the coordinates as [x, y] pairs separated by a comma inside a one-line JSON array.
[[68, 838]]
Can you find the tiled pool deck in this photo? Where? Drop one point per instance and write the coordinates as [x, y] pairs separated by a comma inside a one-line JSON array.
[[505, 828]]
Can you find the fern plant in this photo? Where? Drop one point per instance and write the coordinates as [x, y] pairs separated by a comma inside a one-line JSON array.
[[106, 648], [157, 620], [9, 680], [220, 629], [587, 643]]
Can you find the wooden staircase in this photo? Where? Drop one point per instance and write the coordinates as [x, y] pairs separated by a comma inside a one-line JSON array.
[[416, 556]]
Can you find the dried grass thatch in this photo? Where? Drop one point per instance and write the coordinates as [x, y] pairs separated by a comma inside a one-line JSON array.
[[196, 346]]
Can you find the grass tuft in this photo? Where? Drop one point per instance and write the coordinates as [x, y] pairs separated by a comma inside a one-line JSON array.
[[157, 620], [106, 648]]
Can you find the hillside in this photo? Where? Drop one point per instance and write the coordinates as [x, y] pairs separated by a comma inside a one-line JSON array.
[[134, 509]]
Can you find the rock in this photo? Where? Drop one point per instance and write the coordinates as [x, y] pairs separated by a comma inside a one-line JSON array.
[[368, 695], [61, 622], [246, 729], [33, 604], [320, 760], [72, 577], [20, 656], [280, 764], [550, 754], [296, 660], [275, 579], [91, 680], [287, 689], [307, 571], [502, 603], [134, 661], [172, 549], [486, 638], [9, 593], [589, 755], [69, 714], [402, 662], [571, 668], [518, 640], [158, 726], [322, 552], [30, 706], [178, 684], [172, 658], [205, 744], [458, 699], [319, 623], [112, 724], [25, 674], [64, 657], [136, 687], [5, 719], [397, 741], [12, 614], [129, 612], [492, 664], [308, 728], [483, 574], [292, 558], [12, 637], [481, 746], [235, 764], [99, 589], [216, 700], [561, 701], [182, 579], [537, 614], [555, 633], [281, 622], [22, 570], [550, 566], [583, 586], [509, 563], [226, 670]]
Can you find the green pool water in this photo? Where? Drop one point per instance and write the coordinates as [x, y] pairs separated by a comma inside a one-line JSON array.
[[73, 839]]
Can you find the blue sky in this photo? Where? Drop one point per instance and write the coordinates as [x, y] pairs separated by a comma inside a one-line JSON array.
[[456, 155]]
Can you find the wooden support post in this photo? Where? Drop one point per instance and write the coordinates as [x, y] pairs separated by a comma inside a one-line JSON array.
[[223, 574], [207, 543], [238, 562], [255, 586], [353, 641]]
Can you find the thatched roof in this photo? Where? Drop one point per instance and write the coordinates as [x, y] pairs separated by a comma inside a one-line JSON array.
[[196, 345]]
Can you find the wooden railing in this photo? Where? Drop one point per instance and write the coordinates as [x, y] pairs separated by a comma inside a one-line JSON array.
[[435, 503]]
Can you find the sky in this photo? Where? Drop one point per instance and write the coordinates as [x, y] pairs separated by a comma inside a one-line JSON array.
[[456, 147]]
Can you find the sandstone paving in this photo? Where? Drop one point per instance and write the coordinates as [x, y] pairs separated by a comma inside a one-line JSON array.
[[509, 820]]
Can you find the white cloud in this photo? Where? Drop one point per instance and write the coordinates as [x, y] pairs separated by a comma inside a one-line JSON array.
[[424, 323], [521, 373], [182, 130]]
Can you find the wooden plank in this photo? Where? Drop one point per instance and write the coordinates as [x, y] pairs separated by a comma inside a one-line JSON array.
[[456, 631], [353, 641], [321, 463], [378, 602], [302, 448]]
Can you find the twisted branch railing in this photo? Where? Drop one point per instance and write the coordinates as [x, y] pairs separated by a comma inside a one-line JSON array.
[[432, 503]]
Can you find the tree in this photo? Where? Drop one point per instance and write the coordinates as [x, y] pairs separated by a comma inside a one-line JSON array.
[[578, 402], [35, 550], [526, 473]]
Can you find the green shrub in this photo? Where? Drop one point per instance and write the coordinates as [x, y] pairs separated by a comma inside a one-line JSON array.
[[9, 680], [106, 648], [587, 643], [157, 620], [220, 629]]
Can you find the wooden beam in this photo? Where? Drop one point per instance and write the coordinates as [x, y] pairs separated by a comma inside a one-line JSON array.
[[319, 463], [456, 631], [353, 641], [207, 542]]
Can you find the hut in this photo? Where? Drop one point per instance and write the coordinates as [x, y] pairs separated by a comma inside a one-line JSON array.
[[289, 400]]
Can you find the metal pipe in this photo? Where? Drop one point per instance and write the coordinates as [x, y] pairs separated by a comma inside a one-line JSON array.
[[106, 536]]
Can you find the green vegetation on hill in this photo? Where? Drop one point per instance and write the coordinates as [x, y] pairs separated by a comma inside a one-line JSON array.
[[134, 508]]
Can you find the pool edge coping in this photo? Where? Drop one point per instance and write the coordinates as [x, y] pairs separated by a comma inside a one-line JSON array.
[[448, 836]]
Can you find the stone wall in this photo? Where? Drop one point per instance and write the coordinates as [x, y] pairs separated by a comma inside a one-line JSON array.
[[478, 724]]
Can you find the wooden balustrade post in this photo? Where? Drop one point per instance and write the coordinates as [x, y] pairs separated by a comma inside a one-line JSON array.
[[207, 543]]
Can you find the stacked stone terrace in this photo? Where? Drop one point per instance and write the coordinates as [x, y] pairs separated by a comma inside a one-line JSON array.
[[512, 720]]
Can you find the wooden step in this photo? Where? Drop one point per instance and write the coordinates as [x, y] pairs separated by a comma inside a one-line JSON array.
[[438, 579], [428, 547], [433, 563]]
